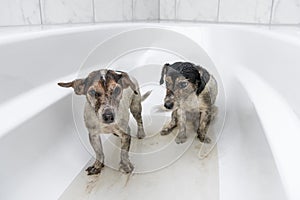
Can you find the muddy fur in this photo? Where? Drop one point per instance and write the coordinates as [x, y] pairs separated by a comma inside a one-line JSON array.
[[191, 93], [109, 96]]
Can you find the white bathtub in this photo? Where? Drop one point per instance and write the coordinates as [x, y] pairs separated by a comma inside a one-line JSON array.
[[255, 158]]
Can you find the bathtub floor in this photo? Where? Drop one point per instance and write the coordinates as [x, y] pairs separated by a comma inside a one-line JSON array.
[[188, 178]]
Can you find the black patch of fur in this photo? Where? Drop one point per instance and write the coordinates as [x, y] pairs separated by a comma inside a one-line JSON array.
[[190, 72], [204, 79], [186, 69], [112, 75]]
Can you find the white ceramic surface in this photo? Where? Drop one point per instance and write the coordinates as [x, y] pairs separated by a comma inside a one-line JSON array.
[[145, 10], [32, 12], [251, 11], [286, 12], [197, 10], [114, 10], [16, 12], [167, 9], [67, 11]]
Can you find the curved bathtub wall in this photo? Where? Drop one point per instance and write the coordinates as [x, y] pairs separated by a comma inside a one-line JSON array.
[[43, 155], [268, 53], [50, 53], [272, 57], [279, 123], [37, 162]]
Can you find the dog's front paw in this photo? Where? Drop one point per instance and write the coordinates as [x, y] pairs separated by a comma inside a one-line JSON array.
[[181, 138], [94, 169], [126, 167], [165, 131], [141, 133], [204, 139]]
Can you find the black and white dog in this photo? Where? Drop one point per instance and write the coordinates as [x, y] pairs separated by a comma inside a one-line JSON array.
[[191, 92]]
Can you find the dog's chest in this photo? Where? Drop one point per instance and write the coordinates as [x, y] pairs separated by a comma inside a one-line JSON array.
[[122, 114], [191, 103]]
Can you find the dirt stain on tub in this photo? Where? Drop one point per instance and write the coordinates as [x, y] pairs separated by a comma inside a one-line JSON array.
[[92, 182], [201, 175]]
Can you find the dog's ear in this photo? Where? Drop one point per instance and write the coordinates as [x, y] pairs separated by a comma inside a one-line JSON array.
[[163, 72], [78, 85], [201, 83], [125, 81]]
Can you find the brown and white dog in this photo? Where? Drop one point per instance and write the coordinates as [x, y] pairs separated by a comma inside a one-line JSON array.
[[110, 94], [191, 94]]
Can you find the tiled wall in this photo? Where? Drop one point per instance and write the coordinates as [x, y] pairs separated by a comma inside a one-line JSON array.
[[232, 11], [27, 12]]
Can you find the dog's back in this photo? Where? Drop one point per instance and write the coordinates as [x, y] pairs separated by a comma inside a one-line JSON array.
[[211, 88]]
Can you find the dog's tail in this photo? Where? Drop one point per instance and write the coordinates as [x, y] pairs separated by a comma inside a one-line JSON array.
[[146, 95]]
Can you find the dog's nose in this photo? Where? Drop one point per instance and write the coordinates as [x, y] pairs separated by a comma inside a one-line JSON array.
[[169, 105], [108, 117]]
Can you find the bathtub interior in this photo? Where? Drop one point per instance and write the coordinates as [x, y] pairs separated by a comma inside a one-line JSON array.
[[240, 166], [44, 52], [45, 157], [142, 57]]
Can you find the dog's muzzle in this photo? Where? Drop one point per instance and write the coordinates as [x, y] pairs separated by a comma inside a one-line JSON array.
[[108, 116], [169, 105]]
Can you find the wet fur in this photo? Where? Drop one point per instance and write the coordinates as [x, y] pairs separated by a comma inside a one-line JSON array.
[[101, 94], [194, 102]]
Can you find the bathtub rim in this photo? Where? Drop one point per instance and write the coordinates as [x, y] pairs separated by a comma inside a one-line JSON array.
[[18, 34]]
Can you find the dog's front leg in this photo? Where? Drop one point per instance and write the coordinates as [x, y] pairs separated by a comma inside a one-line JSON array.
[[205, 119], [96, 143], [168, 128], [125, 164], [181, 137]]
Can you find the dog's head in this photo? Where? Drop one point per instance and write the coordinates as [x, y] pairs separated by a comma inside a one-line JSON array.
[[182, 79], [103, 90]]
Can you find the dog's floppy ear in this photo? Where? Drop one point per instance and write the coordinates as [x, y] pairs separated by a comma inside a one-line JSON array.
[[78, 85], [163, 72], [125, 81], [204, 78]]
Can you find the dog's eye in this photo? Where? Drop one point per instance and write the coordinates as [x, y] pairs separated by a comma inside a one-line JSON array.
[[182, 84], [117, 91], [97, 94], [94, 93]]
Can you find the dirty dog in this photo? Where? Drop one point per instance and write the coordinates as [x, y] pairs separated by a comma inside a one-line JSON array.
[[191, 93], [110, 94]]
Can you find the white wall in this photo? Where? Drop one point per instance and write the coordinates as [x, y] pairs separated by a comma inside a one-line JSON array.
[[32, 12]]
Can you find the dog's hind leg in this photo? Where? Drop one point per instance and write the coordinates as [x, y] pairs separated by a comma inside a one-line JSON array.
[[205, 119], [214, 112], [136, 110], [96, 143], [168, 128]]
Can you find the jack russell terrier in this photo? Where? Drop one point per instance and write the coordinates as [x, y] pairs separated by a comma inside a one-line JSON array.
[[110, 94]]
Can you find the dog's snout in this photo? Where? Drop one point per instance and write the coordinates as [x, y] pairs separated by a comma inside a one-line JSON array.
[[169, 105], [108, 116]]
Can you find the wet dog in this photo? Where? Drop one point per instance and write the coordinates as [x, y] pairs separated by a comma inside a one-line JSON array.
[[191, 93], [110, 94]]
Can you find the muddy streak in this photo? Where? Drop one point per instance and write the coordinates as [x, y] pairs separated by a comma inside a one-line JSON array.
[[91, 183]]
